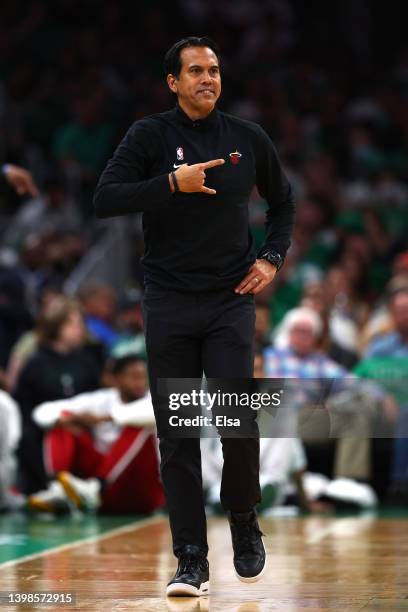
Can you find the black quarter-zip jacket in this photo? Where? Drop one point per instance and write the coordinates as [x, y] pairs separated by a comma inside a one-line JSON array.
[[197, 242]]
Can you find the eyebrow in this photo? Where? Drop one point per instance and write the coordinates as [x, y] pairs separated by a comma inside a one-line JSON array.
[[198, 66]]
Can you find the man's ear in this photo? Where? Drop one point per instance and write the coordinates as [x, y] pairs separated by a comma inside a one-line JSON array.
[[171, 82]]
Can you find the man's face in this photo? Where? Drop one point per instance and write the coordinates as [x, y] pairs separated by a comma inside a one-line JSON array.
[[101, 304], [132, 381], [73, 333], [302, 338], [198, 85]]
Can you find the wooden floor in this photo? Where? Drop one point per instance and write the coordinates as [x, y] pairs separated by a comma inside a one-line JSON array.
[[314, 563]]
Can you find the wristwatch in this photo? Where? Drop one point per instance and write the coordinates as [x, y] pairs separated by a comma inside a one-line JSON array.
[[272, 257]]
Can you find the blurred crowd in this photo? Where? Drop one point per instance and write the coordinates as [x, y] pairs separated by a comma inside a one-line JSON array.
[[328, 83]]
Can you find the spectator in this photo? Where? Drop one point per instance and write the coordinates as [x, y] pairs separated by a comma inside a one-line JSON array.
[[10, 431], [386, 358], [98, 302], [101, 449], [130, 325], [52, 211], [300, 359], [61, 367], [27, 343], [15, 317], [380, 322], [83, 144], [347, 312], [394, 343], [338, 337]]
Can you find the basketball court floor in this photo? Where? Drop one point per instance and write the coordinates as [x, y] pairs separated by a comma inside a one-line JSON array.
[[314, 563]]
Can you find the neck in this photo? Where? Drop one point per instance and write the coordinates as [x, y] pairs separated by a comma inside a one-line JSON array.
[[193, 113], [126, 399]]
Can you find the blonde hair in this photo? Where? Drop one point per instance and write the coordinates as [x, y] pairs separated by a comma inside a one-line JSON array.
[[53, 317]]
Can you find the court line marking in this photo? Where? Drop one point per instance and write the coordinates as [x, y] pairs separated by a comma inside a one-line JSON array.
[[98, 538]]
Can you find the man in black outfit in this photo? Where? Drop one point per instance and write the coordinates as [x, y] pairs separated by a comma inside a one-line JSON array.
[[201, 275]]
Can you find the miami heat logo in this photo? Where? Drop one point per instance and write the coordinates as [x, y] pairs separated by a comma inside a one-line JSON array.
[[235, 157]]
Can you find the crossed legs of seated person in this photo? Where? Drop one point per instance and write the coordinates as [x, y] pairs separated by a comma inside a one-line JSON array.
[[123, 479]]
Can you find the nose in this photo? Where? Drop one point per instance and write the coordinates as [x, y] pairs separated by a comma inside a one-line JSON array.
[[206, 77]]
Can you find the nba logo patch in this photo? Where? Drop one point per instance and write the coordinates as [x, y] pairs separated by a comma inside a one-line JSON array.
[[235, 157], [180, 153]]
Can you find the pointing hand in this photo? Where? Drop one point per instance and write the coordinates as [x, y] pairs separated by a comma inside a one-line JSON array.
[[191, 179]]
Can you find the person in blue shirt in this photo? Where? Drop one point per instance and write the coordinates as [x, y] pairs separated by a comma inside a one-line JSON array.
[[394, 343]]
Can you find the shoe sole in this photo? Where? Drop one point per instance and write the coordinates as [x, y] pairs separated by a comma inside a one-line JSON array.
[[249, 579], [39, 505], [63, 478], [187, 590]]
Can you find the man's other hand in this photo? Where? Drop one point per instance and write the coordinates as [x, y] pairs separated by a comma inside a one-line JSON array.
[[259, 276]]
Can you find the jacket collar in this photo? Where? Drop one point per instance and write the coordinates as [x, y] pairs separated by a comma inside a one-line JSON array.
[[184, 119]]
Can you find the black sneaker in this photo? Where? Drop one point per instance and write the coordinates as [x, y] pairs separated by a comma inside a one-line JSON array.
[[249, 551], [192, 576]]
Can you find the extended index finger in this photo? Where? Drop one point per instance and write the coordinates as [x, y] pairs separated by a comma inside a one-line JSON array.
[[212, 163]]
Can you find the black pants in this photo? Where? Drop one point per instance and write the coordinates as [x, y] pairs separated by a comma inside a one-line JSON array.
[[32, 476], [187, 334]]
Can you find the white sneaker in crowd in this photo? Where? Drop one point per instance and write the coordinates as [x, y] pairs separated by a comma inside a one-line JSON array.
[[85, 494], [53, 499]]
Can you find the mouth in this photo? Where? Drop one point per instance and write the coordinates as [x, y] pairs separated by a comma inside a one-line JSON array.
[[206, 91]]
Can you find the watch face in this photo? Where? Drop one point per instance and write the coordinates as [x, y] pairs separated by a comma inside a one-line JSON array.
[[274, 259]]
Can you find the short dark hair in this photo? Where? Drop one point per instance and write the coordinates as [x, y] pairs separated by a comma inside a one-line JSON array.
[[172, 62], [121, 363]]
